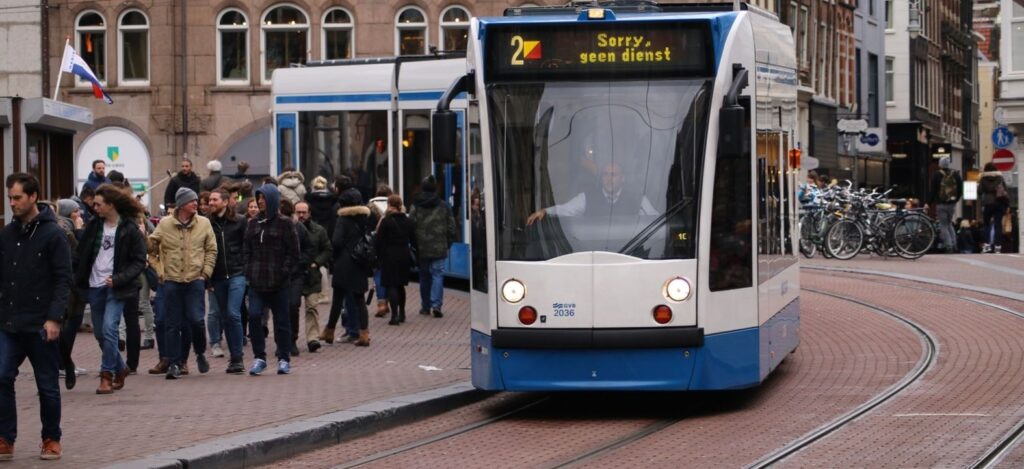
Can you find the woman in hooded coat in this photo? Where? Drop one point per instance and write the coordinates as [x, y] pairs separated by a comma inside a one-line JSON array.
[[290, 184], [349, 278]]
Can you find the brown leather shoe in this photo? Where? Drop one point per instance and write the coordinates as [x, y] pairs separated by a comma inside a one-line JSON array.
[[118, 382], [327, 335], [184, 369], [364, 338], [106, 383], [161, 367], [50, 450], [6, 450], [382, 309]]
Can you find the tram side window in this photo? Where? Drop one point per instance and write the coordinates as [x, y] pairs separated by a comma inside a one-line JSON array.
[[350, 143], [477, 210], [769, 218], [731, 263]]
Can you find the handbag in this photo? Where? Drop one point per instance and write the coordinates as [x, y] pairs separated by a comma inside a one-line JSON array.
[[1007, 222], [1001, 194], [364, 253]]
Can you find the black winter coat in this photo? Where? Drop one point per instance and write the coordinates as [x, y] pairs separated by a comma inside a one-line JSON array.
[[351, 225], [394, 236], [178, 181], [35, 273], [230, 234], [129, 256], [322, 209]]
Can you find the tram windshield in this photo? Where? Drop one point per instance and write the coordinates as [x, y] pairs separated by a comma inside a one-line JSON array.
[[598, 166]]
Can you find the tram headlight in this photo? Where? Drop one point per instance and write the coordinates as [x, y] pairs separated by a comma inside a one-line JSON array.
[[677, 289], [513, 291]]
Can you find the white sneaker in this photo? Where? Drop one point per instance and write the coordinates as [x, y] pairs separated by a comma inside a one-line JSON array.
[[216, 351], [80, 371]]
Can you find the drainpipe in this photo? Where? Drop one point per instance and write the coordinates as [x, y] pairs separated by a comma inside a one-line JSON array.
[[44, 44], [184, 77]]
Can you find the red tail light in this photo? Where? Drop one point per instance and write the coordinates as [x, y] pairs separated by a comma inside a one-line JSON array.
[[662, 314], [527, 315]]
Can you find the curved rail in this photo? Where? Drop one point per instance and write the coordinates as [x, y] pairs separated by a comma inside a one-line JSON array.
[[924, 364]]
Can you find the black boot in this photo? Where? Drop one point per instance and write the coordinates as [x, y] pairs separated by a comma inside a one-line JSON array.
[[401, 315], [394, 318]]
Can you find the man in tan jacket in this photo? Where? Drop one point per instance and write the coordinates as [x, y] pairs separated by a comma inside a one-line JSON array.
[[185, 251]]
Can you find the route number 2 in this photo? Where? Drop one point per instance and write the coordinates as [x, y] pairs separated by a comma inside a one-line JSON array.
[[517, 55]]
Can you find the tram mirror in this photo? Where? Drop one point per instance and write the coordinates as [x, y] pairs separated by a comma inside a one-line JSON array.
[[443, 126], [731, 124]]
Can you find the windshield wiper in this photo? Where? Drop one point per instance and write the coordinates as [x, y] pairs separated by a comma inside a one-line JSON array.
[[649, 230]]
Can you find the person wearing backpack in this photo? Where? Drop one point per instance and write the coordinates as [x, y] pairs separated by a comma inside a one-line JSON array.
[[946, 189], [994, 200], [349, 275]]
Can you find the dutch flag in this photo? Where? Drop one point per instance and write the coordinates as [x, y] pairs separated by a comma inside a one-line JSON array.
[[73, 63]]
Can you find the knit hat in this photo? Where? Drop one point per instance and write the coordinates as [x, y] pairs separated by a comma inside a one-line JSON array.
[[184, 196], [213, 165], [65, 207], [944, 162], [429, 184]]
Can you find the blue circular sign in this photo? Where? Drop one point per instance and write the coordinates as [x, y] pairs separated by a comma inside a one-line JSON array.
[[1002, 137], [869, 139]]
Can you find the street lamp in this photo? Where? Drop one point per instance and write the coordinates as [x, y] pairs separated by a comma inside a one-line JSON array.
[[914, 18]]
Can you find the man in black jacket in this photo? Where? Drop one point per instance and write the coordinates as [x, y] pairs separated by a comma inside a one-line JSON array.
[[228, 281], [35, 279], [184, 178]]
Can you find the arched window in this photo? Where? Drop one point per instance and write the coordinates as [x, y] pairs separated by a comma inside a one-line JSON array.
[[91, 43], [285, 38], [338, 35], [232, 48], [410, 32], [454, 28], [133, 48]]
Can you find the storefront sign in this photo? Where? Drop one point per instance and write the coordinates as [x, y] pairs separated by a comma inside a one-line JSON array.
[[121, 150]]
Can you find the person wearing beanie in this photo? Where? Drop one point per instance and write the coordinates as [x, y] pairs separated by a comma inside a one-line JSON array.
[[944, 193], [271, 253], [184, 253], [434, 233], [184, 178], [215, 179]]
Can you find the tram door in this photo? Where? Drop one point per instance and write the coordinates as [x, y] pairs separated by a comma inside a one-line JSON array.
[[417, 164]]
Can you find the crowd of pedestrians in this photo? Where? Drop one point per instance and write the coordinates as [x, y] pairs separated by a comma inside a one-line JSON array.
[[228, 259]]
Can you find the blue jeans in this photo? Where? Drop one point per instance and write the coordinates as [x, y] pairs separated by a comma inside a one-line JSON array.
[[228, 294], [382, 293], [214, 320], [106, 319], [45, 359], [183, 305], [160, 327], [278, 303], [431, 284]]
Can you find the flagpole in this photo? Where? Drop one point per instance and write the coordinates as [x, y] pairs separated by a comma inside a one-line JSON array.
[[67, 42]]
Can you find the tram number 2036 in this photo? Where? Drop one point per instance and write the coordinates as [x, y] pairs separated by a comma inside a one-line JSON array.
[[564, 310]]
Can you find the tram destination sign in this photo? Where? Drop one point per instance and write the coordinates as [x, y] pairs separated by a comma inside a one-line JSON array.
[[558, 51]]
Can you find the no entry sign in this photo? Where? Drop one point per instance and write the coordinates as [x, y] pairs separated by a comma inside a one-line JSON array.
[[1003, 159]]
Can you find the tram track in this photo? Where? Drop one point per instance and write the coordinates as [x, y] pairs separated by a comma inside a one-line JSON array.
[[1011, 439], [923, 365]]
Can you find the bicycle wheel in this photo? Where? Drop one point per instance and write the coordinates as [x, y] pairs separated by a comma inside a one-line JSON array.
[[913, 235], [844, 239], [883, 239], [807, 246]]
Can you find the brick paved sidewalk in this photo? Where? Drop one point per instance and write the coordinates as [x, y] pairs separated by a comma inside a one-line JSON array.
[[153, 415], [998, 271]]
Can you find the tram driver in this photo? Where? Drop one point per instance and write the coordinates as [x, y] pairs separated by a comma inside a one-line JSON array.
[[610, 197]]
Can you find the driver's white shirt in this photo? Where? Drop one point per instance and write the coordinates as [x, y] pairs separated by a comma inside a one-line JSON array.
[[578, 204]]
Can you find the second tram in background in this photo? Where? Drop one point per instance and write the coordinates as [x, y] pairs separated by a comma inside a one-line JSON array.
[[370, 119], [631, 212]]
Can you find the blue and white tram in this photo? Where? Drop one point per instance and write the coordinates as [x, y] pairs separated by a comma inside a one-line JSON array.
[[370, 119], [631, 215]]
